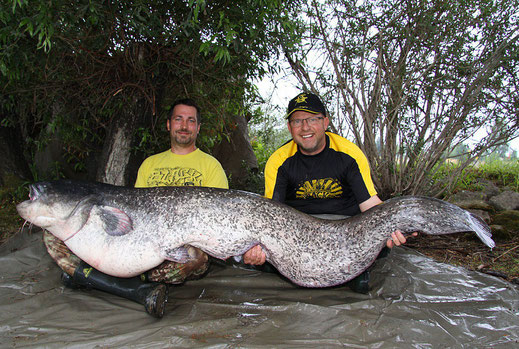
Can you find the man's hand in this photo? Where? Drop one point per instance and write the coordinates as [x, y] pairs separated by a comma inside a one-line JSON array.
[[254, 256], [397, 239]]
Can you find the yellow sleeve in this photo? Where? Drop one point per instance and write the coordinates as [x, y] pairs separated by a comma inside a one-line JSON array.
[[211, 169], [365, 171], [271, 173], [274, 163], [342, 144], [216, 177]]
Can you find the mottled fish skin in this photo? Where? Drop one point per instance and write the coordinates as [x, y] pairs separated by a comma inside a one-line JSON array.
[[125, 231]]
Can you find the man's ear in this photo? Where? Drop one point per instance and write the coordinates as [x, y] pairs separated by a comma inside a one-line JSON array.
[[326, 122]]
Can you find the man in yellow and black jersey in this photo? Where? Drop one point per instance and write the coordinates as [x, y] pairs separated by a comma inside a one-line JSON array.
[[318, 172], [334, 180]]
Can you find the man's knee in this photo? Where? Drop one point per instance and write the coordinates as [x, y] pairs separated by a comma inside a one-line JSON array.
[[176, 273], [60, 253]]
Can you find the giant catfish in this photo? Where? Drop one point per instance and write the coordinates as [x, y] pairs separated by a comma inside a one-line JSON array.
[[125, 231]]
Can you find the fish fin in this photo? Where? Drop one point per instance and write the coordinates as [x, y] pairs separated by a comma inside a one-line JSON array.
[[481, 229], [117, 223], [78, 217], [180, 254]]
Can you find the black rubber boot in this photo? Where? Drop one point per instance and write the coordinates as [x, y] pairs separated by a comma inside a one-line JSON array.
[[69, 282], [153, 296]]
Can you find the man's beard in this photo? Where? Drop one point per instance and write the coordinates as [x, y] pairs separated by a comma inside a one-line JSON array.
[[182, 140], [312, 148]]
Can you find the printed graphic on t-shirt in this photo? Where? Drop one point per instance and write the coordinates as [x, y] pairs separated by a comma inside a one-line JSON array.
[[319, 189], [177, 176]]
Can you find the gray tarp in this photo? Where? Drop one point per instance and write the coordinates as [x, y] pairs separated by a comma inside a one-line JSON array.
[[415, 302]]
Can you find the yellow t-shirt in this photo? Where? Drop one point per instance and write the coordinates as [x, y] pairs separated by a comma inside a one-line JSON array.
[[169, 169]]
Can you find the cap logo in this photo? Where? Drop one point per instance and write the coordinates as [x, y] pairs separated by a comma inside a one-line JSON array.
[[301, 99]]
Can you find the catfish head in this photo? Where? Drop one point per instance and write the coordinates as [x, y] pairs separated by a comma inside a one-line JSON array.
[[61, 210]]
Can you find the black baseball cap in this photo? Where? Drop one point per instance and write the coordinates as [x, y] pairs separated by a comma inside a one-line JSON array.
[[306, 102]]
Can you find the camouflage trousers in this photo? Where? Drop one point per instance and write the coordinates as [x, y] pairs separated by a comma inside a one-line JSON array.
[[168, 272]]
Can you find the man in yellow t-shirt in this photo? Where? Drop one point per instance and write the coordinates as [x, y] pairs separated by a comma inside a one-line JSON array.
[[183, 164]]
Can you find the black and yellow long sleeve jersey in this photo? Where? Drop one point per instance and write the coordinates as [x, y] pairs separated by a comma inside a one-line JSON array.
[[334, 181]]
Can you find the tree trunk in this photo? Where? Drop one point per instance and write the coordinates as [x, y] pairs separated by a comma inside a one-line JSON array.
[[113, 163], [236, 154]]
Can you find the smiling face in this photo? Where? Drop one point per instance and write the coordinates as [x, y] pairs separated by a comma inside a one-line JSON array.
[[183, 128], [310, 137]]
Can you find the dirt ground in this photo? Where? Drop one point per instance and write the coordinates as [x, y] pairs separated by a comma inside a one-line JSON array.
[[466, 250]]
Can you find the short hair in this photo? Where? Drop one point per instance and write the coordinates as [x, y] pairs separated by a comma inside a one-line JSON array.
[[189, 102]]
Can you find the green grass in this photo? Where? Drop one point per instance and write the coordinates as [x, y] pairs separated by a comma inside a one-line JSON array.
[[504, 174]]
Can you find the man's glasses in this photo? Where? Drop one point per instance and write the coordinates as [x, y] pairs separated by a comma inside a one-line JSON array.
[[312, 121]]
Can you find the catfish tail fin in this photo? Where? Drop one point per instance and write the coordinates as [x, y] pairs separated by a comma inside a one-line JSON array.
[[481, 229]]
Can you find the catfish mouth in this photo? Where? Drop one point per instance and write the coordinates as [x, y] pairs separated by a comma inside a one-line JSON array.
[[35, 192], [26, 209]]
